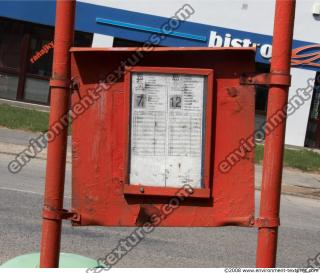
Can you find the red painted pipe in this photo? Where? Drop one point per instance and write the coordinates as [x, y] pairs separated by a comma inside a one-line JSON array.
[[56, 158], [274, 144]]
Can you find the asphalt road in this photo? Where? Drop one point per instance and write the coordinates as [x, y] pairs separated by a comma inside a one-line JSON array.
[[20, 210]]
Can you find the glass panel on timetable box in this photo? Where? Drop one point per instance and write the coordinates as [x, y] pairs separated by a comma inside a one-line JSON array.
[[167, 129]]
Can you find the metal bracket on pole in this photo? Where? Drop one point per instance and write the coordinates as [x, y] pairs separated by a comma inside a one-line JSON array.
[[267, 222], [270, 79], [58, 83], [54, 214]]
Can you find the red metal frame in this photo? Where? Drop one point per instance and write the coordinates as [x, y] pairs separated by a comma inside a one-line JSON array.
[[170, 191], [162, 191]]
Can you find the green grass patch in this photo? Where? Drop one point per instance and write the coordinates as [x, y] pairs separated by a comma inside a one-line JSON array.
[[26, 119], [37, 121], [304, 160], [258, 156]]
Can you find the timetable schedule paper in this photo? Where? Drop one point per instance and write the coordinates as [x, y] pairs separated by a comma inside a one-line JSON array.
[[166, 144]]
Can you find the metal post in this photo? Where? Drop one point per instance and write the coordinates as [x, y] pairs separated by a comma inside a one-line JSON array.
[[56, 158], [274, 144]]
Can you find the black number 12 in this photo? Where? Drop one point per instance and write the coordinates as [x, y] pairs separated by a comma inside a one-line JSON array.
[[175, 102]]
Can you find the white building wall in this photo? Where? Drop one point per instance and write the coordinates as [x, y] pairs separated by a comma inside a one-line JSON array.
[[100, 40], [248, 15], [297, 123]]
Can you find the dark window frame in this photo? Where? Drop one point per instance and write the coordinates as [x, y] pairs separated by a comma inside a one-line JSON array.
[[22, 73]]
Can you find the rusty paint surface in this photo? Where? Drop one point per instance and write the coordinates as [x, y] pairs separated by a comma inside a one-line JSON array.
[[99, 148]]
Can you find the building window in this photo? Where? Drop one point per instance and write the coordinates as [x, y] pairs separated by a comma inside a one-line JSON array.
[[40, 51], [11, 36], [26, 54], [11, 40], [118, 42], [313, 128], [262, 91], [8, 86]]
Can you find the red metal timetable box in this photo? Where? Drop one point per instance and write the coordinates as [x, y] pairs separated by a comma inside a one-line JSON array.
[[154, 122]]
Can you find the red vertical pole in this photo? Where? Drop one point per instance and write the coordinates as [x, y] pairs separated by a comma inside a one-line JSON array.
[[56, 158], [274, 144]]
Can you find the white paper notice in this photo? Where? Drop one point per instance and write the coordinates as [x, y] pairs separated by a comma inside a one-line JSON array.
[[166, 129]]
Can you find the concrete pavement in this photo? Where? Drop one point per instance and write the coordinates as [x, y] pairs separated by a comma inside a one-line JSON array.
[[13, 142], [295, 182], [20, 217]]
